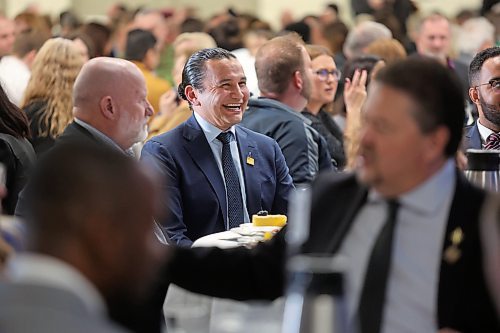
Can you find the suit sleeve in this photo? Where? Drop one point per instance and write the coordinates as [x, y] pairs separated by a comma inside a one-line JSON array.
[[170, 219], [284, 183], [239, 273]]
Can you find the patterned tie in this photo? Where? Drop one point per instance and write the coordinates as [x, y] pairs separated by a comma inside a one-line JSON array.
[[233, 189], [371, 302], [493, 141]]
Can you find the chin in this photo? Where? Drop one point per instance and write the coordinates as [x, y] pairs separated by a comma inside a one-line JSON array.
[[366, 175], [142, 136]]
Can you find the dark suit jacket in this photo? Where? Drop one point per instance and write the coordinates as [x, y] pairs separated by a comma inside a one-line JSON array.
[[73, 134], [463, 301], [194, 186], [472, 138], [18, 157]]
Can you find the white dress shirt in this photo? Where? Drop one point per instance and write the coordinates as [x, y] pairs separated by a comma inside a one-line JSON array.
[[48, 271], [211, 132], [412, 286], [14, 76], [484, 132]]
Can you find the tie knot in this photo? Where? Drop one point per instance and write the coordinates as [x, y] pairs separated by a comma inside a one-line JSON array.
[[225, 137], [493, 141]]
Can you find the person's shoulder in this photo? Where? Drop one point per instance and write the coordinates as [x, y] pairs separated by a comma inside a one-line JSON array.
[[335, 181], [470, 127], [253, 135], [18, 146], [169, 140]]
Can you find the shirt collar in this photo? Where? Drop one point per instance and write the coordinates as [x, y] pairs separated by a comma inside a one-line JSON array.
[[48, 271], [100, 136], [211, 132], [483, 131], [428, 196]]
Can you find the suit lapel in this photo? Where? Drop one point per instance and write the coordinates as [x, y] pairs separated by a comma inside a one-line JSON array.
[[197, 146], [352, 209], [248, 154], [463, 218], [474, 138]]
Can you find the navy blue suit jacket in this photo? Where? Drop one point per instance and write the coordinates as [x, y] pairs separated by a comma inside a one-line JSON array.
[[194, 196], [472, 138]]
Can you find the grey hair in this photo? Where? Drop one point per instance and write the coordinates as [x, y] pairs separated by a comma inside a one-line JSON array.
[[363, 35]]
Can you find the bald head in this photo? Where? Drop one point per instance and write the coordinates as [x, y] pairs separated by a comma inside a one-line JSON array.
[[100, 77], [110, 95]]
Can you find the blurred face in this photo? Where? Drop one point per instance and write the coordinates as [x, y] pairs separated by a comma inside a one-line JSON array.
[[394, 153], [434, 39], [134, 109], [307, 77], [152, 59], [325, 79], [82, 49], [155, 23], [488, 96], [224, 96], [7, 36]]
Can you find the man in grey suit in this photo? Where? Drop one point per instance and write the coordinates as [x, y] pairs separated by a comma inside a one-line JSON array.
[[91, 243]]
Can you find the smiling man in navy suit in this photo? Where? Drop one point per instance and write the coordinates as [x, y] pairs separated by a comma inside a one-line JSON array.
[[215, 173]]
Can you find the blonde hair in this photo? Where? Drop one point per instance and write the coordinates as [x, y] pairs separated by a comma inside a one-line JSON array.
[[188, 43], [389, 50], [53, 74]]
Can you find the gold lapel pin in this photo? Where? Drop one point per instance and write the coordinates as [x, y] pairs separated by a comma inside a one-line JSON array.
[[452, 253], [250, 160]]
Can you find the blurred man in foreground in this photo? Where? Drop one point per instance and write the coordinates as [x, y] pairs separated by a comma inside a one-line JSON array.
[[407, 221], [91, 242]]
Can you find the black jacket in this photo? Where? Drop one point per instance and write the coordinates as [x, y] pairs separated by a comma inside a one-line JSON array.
[[305, 151]]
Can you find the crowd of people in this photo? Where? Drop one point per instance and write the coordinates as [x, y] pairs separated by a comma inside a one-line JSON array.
[[125, 142]]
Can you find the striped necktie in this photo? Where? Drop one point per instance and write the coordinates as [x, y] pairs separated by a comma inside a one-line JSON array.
[[233, 189], [492, 142]]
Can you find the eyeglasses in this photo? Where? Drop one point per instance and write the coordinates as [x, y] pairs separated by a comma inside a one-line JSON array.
[[323, 74], [494, 84]]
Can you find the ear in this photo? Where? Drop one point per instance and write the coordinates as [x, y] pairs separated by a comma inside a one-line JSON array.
[[438, 140], [192, 95], [298, 81], [474, 95], [108, 108]]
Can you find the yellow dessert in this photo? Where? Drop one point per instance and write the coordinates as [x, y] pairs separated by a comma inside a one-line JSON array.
[[263, 219]]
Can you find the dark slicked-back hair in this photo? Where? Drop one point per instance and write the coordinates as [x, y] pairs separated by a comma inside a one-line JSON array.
[[139, 42], [194, 71], [435, 89], [478, 61]]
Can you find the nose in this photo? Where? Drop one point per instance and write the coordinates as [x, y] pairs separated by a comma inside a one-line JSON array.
[[365, 134], [437, 43], [238, 92]]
